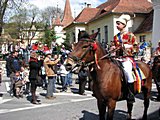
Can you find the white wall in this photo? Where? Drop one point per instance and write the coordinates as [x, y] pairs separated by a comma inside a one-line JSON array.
[[101, 23], [156, 23]]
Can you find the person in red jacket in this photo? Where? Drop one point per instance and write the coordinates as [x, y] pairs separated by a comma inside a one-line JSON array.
[[125, 41]]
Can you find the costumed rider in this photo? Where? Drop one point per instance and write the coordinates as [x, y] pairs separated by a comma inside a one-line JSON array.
[[125, 40]]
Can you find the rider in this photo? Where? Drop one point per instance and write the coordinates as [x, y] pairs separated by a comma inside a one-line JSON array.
[[124, 41]]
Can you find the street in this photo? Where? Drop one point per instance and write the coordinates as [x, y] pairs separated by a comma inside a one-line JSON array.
[[67, 106]]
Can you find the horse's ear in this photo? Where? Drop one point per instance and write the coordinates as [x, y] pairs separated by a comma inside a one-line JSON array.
[[94, 35]]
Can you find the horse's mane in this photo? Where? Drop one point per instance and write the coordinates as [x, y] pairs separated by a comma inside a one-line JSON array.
[[101, 48], [84, 35]]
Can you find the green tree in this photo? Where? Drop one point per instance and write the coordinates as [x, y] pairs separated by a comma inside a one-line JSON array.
[[6, 5], [49, 35]]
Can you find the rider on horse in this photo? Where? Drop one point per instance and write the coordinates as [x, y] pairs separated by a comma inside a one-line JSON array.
[[125, 41]]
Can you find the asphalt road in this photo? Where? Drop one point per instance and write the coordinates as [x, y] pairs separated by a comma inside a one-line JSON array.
[[67, 106]]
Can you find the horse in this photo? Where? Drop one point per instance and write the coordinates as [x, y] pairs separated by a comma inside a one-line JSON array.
[[107, 76], [156, 74]]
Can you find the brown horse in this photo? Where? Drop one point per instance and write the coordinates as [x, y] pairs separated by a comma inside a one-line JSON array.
[[107, 79], [156, 74]]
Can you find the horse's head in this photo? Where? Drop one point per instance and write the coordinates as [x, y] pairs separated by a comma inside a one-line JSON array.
[[84, 51]]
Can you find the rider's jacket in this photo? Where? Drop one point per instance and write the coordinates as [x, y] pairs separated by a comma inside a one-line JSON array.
[[126, 40]]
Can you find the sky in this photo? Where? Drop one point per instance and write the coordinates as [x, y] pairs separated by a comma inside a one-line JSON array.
[[76, 5]]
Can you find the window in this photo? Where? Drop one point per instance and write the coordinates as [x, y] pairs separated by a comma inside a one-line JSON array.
[[92, 31], [142, 38], [99, 35], [106, 34]]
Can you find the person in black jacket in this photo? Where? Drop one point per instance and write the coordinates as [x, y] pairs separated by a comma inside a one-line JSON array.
[[34, 66], [13, 65], [82, 75]]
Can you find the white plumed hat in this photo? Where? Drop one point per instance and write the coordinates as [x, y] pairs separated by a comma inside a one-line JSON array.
[[124, 18]]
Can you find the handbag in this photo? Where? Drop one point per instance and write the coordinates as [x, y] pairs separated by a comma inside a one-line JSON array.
[[39, 81]]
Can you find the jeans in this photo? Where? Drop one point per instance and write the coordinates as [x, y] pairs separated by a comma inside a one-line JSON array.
[[69, 79], [51, 86], [64, 80]]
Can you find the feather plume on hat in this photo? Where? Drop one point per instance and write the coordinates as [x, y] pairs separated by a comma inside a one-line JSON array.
[[124, 18]]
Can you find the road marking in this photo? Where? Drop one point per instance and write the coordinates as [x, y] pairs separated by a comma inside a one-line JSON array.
[[80, 100], [2, 111], [72, 94], [4, 100], [7, 86]]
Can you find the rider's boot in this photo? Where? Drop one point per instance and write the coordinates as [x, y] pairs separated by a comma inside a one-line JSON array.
[[130, 96]]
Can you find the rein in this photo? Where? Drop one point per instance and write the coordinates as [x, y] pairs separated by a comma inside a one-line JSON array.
[[93, 48]]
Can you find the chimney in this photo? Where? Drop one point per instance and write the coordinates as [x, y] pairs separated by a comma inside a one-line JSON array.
[[88, 5]]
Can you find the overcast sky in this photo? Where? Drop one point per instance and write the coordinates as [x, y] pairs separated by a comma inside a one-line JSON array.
[[76, 5]]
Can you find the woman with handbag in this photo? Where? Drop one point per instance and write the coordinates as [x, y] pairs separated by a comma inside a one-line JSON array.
[[34, 66]]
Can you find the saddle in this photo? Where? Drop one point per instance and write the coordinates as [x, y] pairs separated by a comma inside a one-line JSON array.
[[137, 74]]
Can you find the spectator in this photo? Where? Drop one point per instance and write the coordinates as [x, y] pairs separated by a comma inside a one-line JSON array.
[[45, 48], [25, 76], [63, 76], [19, 82], [82, 75], [69, 75], [34, 66], [112, 48], [157, 51], [143, 47], [35, 46], [13, 65], [49, 64]]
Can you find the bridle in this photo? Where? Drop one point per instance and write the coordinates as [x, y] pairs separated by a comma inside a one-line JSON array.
[[79, 60], [90, 48]]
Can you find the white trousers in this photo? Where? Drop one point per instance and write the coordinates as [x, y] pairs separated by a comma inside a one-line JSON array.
[[128, 69]]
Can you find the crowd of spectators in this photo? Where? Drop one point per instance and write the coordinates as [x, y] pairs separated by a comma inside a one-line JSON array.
[[25, 62]]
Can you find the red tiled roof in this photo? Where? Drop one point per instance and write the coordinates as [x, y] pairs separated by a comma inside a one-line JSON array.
[[114, 6], [133, 6], [57, 21], [146, 25], [124, 6], [67, 18], [86, 14]]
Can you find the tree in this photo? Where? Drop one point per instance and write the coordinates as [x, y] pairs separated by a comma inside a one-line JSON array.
[[49, 35], [49, 13], [8, 4], [27, 22]]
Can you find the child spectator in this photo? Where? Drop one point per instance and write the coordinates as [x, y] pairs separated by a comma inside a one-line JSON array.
[[19, 82]]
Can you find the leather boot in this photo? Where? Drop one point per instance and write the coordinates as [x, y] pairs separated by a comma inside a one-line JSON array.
[[130, 96]]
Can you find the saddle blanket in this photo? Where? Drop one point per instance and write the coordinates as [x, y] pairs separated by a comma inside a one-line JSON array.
[[138, 76]]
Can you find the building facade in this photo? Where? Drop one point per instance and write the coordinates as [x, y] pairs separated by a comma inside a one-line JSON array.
[[59, 24], [103, 19]]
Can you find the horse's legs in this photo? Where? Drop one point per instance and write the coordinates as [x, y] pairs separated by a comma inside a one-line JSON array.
[[146, 102], [111, 108], [102, 109], [129, 106]]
